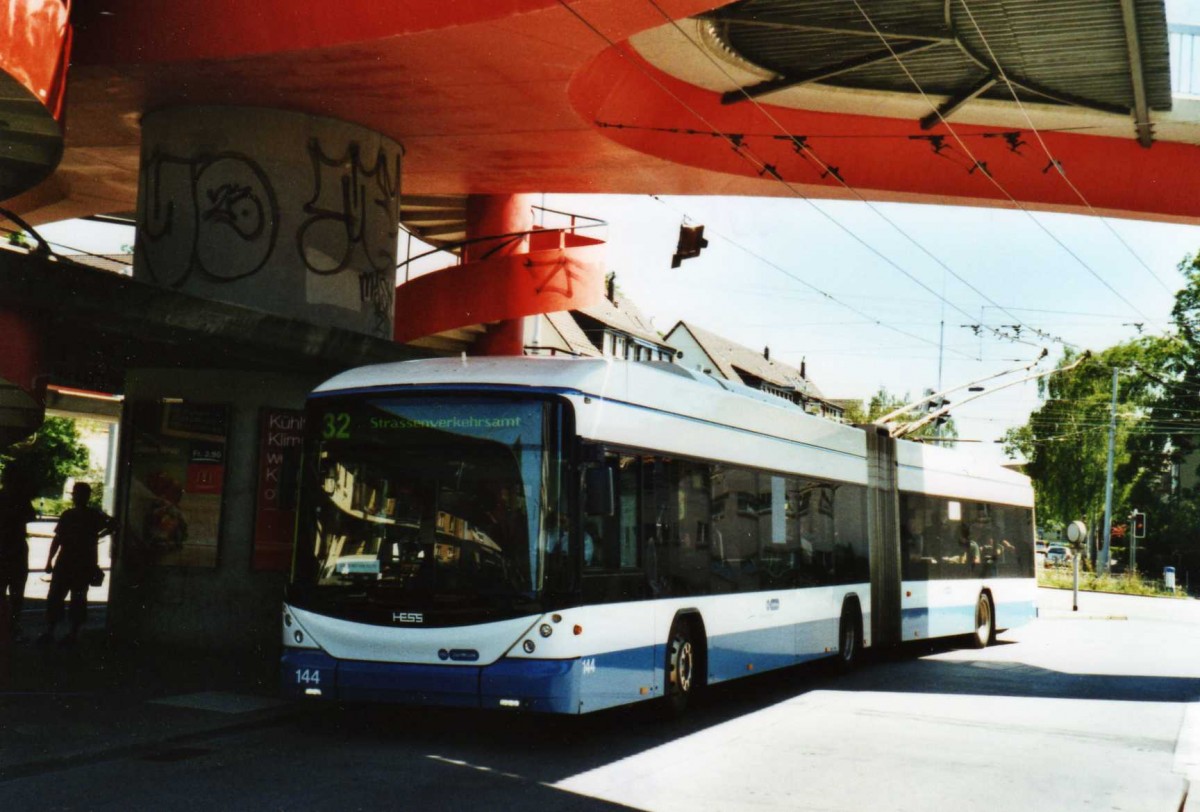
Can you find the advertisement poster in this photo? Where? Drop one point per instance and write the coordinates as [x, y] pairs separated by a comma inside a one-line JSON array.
[[281, 434], [177, 479]]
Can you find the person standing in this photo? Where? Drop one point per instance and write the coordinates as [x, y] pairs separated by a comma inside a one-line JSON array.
[[16, 511], [80, 529]]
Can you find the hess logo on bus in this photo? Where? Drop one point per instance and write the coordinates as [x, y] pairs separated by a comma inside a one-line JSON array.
[[408, 617]]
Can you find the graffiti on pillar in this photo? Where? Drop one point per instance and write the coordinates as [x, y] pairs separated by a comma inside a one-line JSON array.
[[353, 206], [354, 209], [379, 288], [215, 214]]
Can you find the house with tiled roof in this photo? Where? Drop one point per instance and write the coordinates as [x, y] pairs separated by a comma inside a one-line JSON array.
[[721, 357], [615, 327]]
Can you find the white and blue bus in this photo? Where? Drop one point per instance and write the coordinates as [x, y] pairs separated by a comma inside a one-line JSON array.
[[567, 535]]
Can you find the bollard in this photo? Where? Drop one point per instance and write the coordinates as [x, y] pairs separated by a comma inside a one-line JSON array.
[[1169, 578]]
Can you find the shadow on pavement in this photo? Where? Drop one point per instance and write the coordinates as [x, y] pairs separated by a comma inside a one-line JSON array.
[[496, 741]]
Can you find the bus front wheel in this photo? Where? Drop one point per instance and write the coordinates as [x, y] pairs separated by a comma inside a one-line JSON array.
[[681, 674]]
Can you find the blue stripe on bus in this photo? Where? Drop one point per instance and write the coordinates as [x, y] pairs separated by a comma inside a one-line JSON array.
[[549, 686], [557, 686], [945, 621], [602, 680], [540, 685], [736, 655]]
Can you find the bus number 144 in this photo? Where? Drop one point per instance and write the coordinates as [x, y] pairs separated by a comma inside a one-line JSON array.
[[308, 676]]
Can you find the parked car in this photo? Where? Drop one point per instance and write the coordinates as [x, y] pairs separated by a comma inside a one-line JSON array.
[[1057, 554]]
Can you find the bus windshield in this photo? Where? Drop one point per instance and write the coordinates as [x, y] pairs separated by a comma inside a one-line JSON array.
[[416, 505]]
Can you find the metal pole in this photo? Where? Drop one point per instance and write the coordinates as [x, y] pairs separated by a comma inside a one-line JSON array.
[[1132, 547], [1075, 596], [1106, 561]]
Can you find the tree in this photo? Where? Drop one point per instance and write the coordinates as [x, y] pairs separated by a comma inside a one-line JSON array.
[[50, 456], [1156, 469], [1065, 441]]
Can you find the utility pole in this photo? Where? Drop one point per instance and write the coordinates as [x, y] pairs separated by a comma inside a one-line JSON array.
[[1106, 561]]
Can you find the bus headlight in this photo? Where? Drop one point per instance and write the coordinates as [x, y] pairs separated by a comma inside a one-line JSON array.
[[546, 630], [528, 646]]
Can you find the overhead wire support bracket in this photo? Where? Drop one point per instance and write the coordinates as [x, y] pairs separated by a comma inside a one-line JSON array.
[[909, 428], [1025, 367]]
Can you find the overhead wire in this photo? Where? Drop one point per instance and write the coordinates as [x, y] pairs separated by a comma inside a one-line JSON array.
[[807, 151], [752, 159], [762, 167], [1054, 162], [988, 175], [824, 294]]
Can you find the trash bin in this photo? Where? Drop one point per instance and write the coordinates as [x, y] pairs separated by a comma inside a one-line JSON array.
[[1169, 578]]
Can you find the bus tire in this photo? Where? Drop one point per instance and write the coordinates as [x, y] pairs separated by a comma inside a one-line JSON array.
[[985, 622], [681, 677], [850, 636]]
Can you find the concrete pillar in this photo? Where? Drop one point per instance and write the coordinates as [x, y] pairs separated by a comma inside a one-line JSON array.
[[22, 387], [172, 598], [292, 214]]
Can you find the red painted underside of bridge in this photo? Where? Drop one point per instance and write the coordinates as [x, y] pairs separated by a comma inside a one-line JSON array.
[[505, 97]]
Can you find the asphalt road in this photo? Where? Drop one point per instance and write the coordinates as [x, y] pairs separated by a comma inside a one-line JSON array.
[[1093, 710]]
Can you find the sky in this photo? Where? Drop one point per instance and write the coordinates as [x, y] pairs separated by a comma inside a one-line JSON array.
[[766, 299]]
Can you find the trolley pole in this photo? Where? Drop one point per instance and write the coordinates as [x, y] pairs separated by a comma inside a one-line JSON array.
[[1106, 561]]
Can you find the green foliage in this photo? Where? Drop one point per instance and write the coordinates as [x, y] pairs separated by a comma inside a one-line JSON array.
[[1066, 440], [49, 457], [1129, 583], [1157, 469]]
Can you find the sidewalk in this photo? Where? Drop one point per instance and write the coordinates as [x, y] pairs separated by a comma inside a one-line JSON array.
[[61, 706]]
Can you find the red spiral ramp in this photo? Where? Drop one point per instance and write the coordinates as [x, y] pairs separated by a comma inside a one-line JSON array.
[[510, 270]]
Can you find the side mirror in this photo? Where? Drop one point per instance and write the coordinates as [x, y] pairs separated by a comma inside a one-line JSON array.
[[598, 492]]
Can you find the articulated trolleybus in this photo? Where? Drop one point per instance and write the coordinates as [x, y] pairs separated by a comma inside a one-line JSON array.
[[567, 535]]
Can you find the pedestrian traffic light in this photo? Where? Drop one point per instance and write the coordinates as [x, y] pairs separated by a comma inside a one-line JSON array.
[[1139, 524]]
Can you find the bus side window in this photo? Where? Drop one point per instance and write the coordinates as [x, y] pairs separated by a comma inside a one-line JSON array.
[[615, 536], [627, 509]]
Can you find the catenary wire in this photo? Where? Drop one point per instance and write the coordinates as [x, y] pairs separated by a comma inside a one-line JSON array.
[[828, 171], [1053, 161], [762, 168], [988, 175]]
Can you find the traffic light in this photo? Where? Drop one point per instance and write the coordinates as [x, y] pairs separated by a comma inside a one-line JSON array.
[[691, 241], [1139, 524]]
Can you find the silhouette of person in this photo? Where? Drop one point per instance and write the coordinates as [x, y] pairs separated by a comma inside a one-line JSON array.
[[16, 493], [80, 529]]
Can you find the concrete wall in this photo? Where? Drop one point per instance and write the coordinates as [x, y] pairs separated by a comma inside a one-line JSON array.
[[287, 213], [229, 607]]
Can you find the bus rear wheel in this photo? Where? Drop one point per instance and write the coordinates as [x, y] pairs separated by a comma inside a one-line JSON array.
[[985, 622], [681, 675], [850, 637]]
